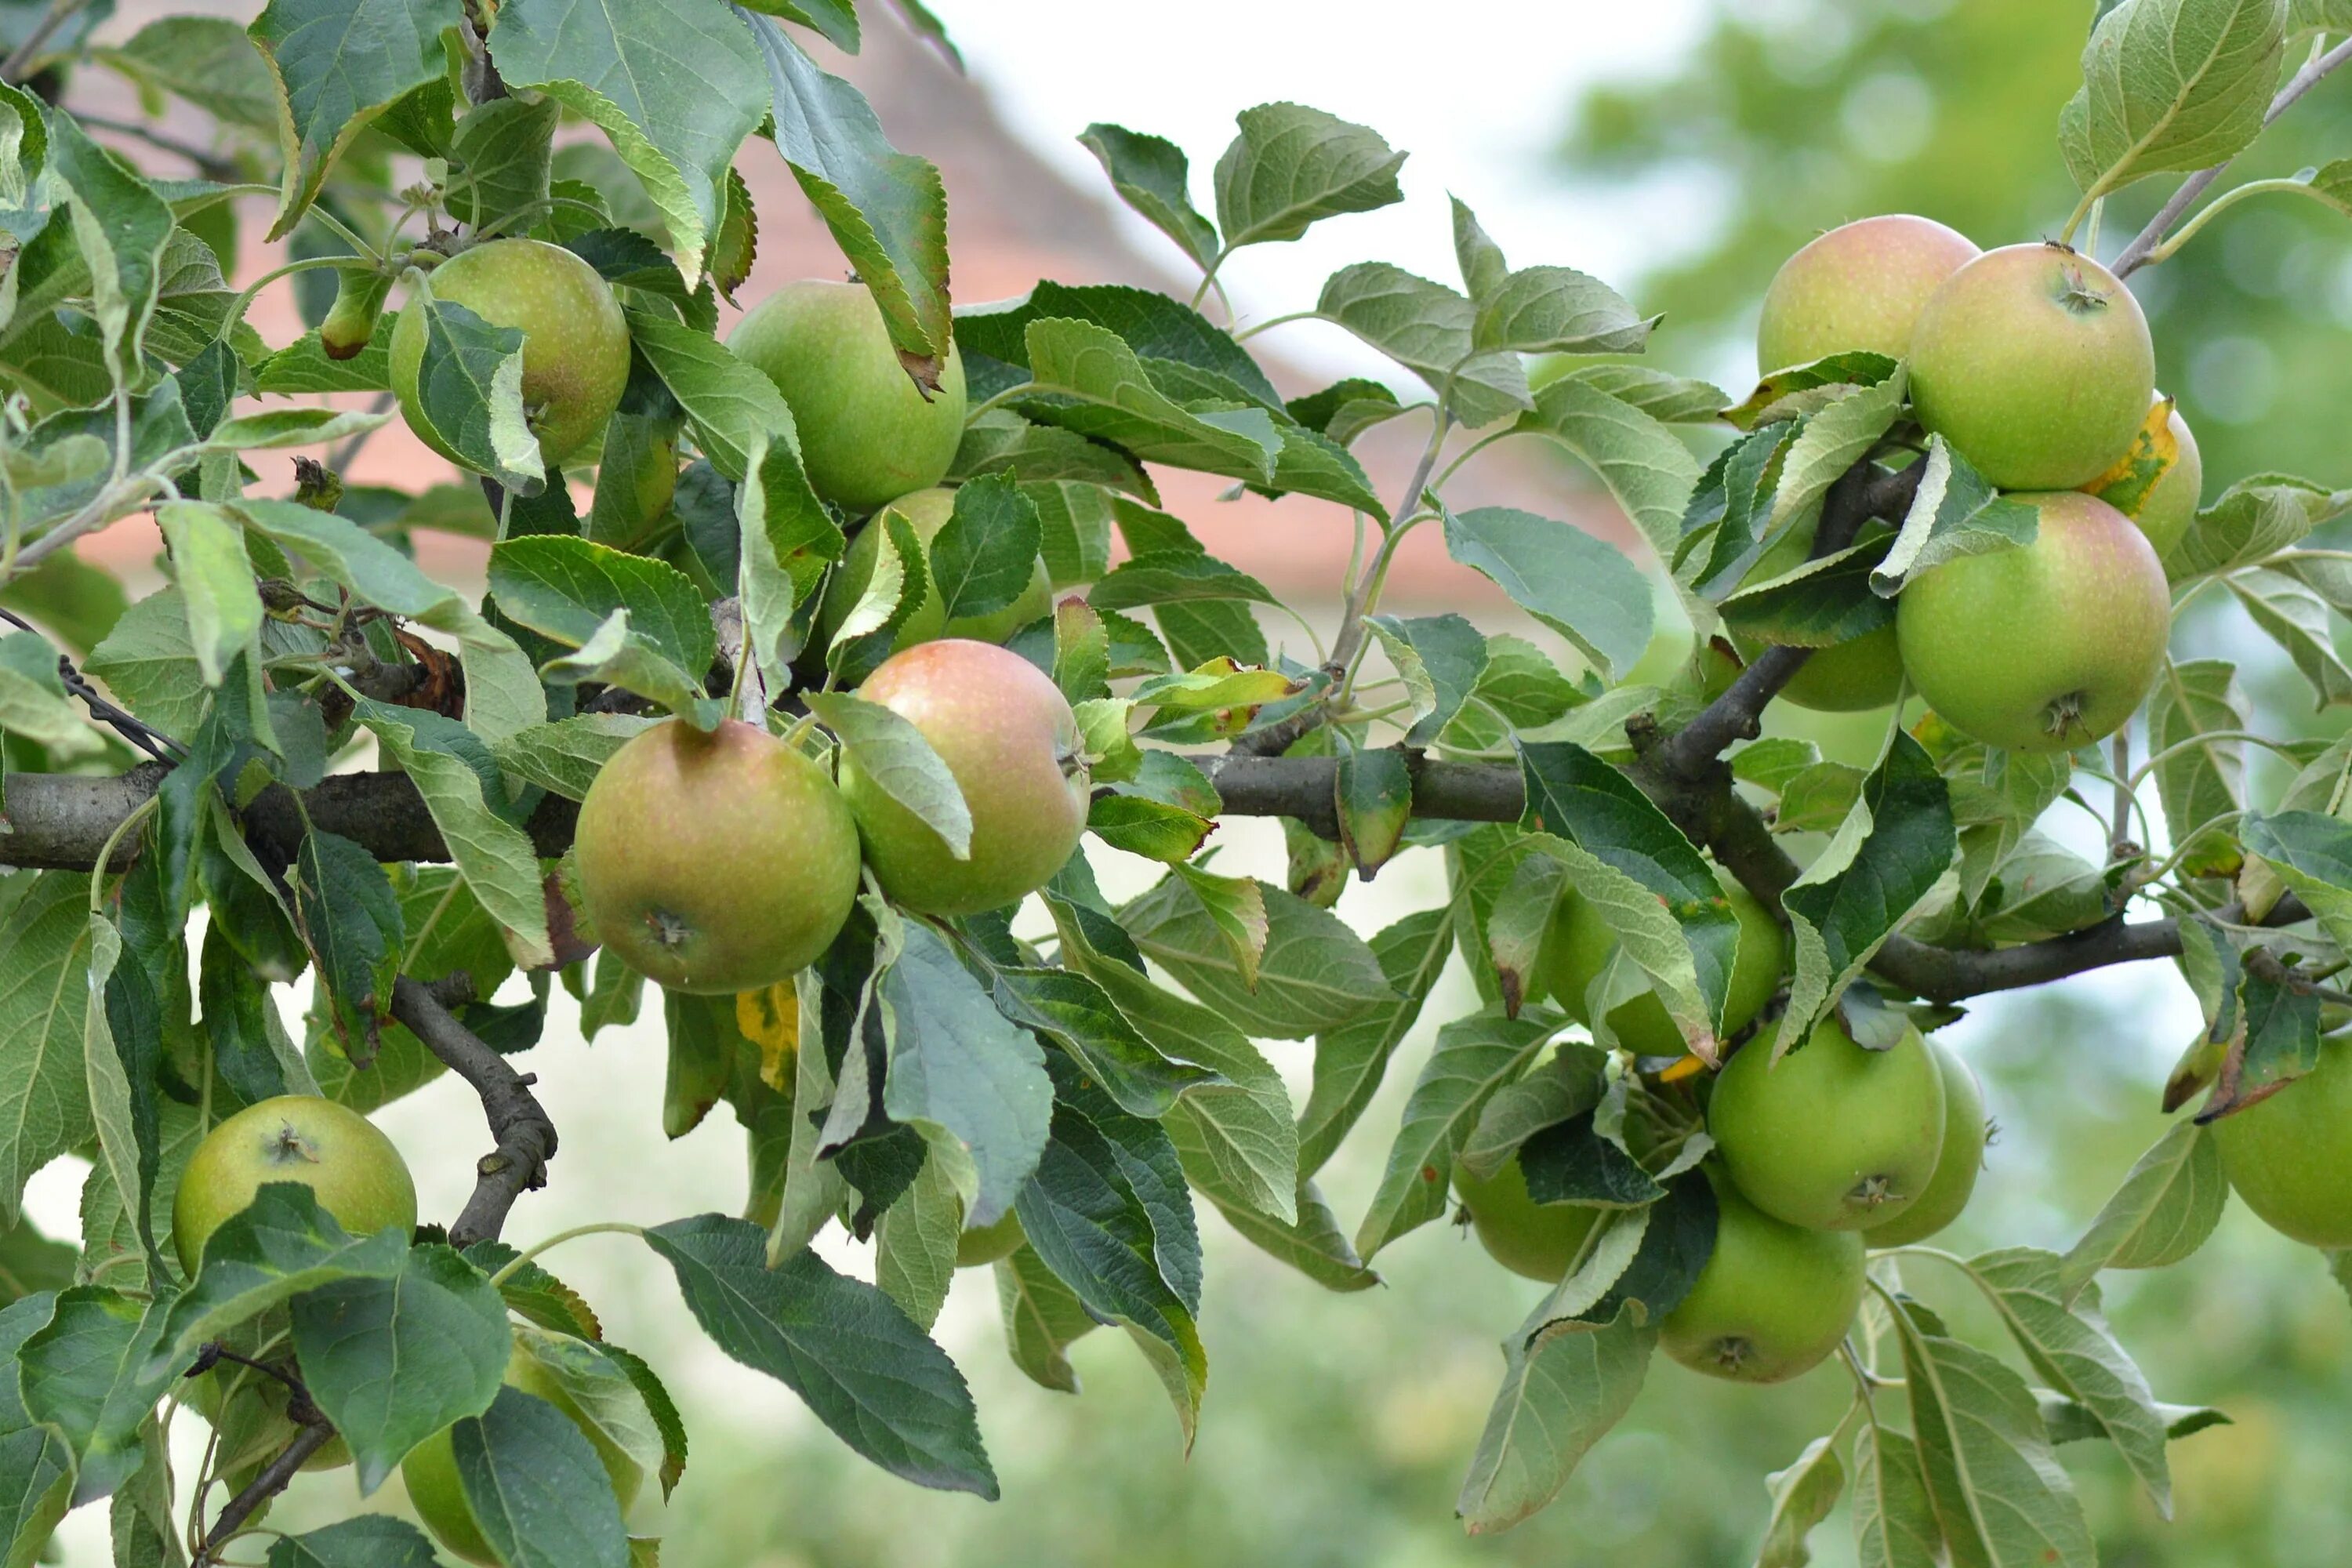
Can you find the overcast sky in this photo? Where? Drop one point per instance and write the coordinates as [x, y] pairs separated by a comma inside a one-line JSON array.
[[1477, 92]]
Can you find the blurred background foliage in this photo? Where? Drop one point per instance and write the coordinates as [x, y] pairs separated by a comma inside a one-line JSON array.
[[1336, 1428]]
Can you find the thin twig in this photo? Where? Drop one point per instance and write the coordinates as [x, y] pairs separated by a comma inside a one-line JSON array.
[[2136, 254], [275, 1476], [524, 1132], [146, 737], [59, 13]]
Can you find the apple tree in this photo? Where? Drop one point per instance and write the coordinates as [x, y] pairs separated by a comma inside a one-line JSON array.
[[828, 636]]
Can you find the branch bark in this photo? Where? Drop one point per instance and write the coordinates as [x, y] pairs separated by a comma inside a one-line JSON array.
[[520, 1126]]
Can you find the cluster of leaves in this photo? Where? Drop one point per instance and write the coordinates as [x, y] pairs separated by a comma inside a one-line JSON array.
[[925, 1077]]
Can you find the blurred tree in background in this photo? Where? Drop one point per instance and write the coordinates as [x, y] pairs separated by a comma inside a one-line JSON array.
[[1802, 115]]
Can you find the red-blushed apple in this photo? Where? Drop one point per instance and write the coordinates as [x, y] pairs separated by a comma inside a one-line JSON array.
[[1860, 285]]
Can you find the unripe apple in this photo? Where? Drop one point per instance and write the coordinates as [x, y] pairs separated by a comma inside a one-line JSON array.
[[1851, 677], [868, 434], [1536, 1240], [350, 1166], [2287, 1153], [2045, 647], [927, 511], [1010, 738], [715, 863], [2166, 509], [1579, 943], [1832, 1136], [1957, 1167], [1858, 287], [575, 343], [2035, 362], [1774, 1299]]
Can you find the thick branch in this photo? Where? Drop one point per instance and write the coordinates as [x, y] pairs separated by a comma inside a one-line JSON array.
[[2136, 255], [524, 1133]]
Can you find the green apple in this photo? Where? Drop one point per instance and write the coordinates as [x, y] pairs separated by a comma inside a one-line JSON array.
[[575, 343], [1859, 286], [1773, 1300], [1578, 944], [927, 511], [2034, 362], [867, 433], [2288, 1154], [350, 1167], [2048, 646], [715, 863], [1851, 677], [2164, 509], [1957, 1166], [1010, 738], [1538, 1240], [1832, 1136]]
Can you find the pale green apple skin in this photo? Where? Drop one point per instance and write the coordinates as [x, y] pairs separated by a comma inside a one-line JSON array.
[[1832, 1136], [575, 343], [1957, 1167], [867, 435], [1579, 944], [353, 1168], [2036, 364], [2288, 1154], [1851, 677], [1010, 738], [2048, 646], [989, 1244], [1537, 1241], [715, 863], [2167, 509], [430, 1471], [1858, 287], [1774, 1300], [927, 511]]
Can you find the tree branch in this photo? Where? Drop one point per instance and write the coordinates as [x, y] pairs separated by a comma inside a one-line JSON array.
[[519, 1125], [273, 1477], [2136, 255]]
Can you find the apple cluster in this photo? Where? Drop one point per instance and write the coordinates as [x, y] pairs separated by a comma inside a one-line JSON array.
[[2033, 362]]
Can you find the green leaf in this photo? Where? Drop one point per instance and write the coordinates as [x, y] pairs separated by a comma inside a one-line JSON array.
[[785, 542], [1313, 972], [1109, 1214], [887, 209], [1641, 876], [352, 925], [362, 1540], [2198, 782], [1575, 583], [1893, 1524], [281, 1245], [985, 555], [1956, 512], [338, 64], [499, 157], [1314, 1244], [2257, 517], [1819, 603], [1234, 1131], [732, 408], [566, 755], [2169, 87], [1099, 389], [972, 1082], [1802, 1496], [302, 368], [567, 589], [536, 1295], [92, 1372], [34, 705], [1151, 828], [2165, 1209], [536, 1488], [1563, 1389], [1441, 659], [280, 427], [1475, 1056], [1995, 1485], [1292, 165], [676, 93], [892, 753], [1886, 856], [44, 1001], [1649, 471], [1832, 440], [1556, 309], [1426, 328], [2072, 1349], [1151, 176], [1182, 348], [613, 1397], [1663, 396], [455, 772], [2312, 854], [1079, 1016], [393, 1360], [842, 1345], [2298, 620], [470, 390], [122, 227], [502, 691], [915, 1244], [207, 60], [1042, 1317]]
